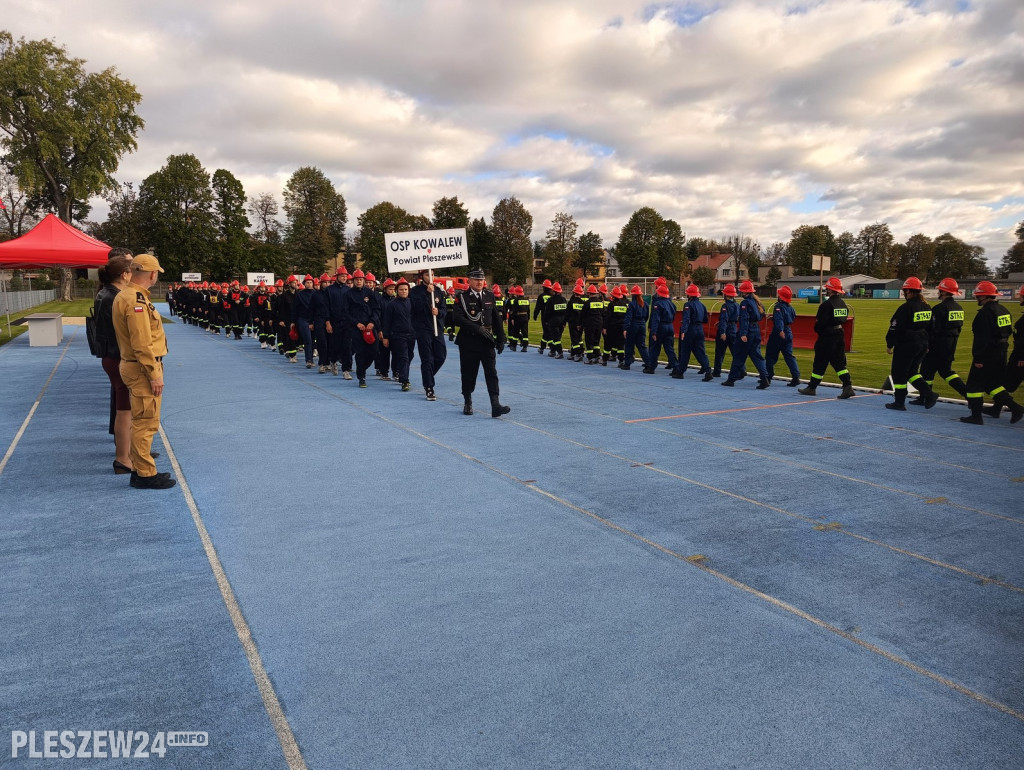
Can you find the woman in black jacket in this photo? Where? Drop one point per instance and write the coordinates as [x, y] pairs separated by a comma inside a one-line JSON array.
[[114, 276]]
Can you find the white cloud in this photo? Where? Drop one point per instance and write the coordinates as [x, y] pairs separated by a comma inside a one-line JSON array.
[[729, 117]]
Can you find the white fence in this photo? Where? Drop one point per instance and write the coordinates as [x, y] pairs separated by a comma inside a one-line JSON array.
[[15, 301]]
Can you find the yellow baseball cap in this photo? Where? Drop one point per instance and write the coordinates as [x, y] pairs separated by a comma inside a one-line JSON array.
[[146, 263]]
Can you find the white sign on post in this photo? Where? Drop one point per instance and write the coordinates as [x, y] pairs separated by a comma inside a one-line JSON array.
[[253, 279], [426, 249], [191, 277], [821, 262]]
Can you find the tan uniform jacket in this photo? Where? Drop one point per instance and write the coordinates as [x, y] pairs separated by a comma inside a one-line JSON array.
[[140, 335]]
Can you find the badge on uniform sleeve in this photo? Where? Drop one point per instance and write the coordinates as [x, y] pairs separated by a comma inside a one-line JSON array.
[[139, 309]]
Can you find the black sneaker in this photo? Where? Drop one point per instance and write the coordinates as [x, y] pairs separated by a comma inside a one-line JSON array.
[[159, 481], [430, 395], [897, 407], [362, 383]]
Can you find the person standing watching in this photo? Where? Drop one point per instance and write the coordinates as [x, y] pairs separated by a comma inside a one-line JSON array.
[[141, 341], [115, 275]]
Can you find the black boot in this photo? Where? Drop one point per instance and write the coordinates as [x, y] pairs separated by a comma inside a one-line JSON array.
[[497, 408], [793, 382], [467, 408], [811, 389], [958, 385], [899, 404], [1016, 410], [992, 411], [975, 418]]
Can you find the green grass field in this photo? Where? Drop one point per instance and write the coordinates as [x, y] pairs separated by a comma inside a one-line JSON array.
[[868, 362], [75, 308]]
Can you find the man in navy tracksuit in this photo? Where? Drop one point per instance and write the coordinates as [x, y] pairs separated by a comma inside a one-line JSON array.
[[663, 333], [338, 341], [428, 324], [309, 313], [691, 335], [725, 334], [748, 339], [635, 327], [780, 339], [362, 314], [397, 333]]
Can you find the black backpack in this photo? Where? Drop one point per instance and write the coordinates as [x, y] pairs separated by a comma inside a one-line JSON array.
[[90, 335]]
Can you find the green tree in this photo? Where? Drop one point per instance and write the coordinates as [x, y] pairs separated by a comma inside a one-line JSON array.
[[511, 225], [1013, 260], [772, 277], [64, 129], [480, 245], [448, 213], [638, 248], [589, 254], [232, 224], [18, 215], [845, 256], [561, 248], [956, 259], [177, 214], [317, 216], [671, 252], [268, 253], [915, 257], [805, 241], [703, 276], [374, 224], [124, 226], [872, 249]]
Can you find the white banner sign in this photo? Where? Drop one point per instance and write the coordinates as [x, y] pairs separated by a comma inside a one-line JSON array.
[[253, 279], [426, 249], [820, 262], [196, 277]]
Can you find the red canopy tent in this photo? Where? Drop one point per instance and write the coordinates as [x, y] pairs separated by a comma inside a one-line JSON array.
[[52, 243]]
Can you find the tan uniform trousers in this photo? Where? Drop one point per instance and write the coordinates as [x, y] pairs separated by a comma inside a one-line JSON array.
[[145, 415]]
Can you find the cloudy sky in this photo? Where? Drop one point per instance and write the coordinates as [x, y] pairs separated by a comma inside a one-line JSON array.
[[732, 117]]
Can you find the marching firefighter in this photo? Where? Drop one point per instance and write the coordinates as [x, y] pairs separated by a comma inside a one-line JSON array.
[[593, 323], [574, 320], [382, 359], [519, 320], [663, 335], [362, 316], [748, 339], [397, 332], [991, 329], [480, 337], [943, 335], [691, 335], [615, 328], [635, 324], [559, 307], [541, 308], [780, 338], [287, 337], [907, 341], [449, 315], [725, 334], [830, 346], [428, 321]]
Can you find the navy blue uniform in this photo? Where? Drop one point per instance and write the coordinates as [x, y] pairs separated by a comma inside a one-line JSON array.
[[429, 338], [360, 307], [725, 333], [663, 333], [780, 340], [309, 314], [691, 339], [635, 327], [396, 328], [748, 327]]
